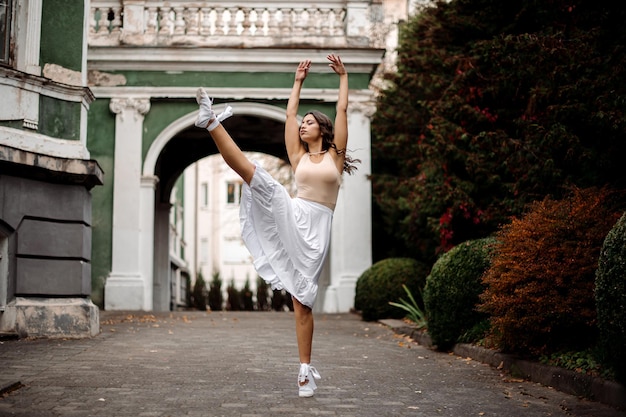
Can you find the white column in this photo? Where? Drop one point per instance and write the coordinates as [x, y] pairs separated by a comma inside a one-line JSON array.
[[351, 245], [148, 187], [126, 287]]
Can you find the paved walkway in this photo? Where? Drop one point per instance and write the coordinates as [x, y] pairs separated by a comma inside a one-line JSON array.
[[245, 364]]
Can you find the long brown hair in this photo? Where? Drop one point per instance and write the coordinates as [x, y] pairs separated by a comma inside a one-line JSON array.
[[327, 131]]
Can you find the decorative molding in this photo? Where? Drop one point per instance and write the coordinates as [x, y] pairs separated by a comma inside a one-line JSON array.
[[51, 168], [318, 94], [367, 108], [46, 87], [149, 181], [272, 59], [42, 144], [324, 24], [30, 124], [140, 106]]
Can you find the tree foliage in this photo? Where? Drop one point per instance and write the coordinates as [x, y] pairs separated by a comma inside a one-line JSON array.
[[494, 105]]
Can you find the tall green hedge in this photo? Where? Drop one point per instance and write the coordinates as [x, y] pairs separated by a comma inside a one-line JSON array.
[[610, 294]]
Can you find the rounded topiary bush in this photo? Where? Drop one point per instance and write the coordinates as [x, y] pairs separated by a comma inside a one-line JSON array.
[[453, 291], [382, 283], [610, 295]]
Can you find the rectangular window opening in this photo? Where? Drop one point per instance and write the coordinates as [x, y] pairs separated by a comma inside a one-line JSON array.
[[233, 192], [5, 30]]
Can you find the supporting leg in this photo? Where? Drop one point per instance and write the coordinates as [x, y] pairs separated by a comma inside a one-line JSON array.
[[304, 333], [304, 330]]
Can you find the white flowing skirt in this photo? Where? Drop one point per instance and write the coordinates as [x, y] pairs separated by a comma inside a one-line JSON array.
[[288, 238]]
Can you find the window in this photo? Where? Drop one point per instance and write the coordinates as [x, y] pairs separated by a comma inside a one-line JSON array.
[[233, 192], [204, 250], [204, 194], [4, 268], [5, 30]]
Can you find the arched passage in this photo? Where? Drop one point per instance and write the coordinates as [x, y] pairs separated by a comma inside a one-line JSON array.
[[139, 277], [255, 127]]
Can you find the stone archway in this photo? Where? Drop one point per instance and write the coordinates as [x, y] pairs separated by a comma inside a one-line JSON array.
[[156, 189], [139, 278]]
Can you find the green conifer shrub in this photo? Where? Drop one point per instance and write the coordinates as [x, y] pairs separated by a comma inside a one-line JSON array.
[[262, 288], [200, 294], [234, 297], [216, 298], [382, 283], [452, 291], [246, 296]]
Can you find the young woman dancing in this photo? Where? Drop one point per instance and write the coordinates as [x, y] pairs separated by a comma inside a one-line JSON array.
[[289, 237]]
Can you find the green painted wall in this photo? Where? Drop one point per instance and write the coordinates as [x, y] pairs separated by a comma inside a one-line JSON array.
[[62, 33], [101, 145], [163, 113], [237, 79], [13, 124], [59, 119]]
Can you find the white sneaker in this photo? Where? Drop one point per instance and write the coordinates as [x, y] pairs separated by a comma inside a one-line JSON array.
[[306, 380], [206, 114]]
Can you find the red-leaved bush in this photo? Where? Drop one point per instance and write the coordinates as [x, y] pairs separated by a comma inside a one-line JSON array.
[[540, 285]]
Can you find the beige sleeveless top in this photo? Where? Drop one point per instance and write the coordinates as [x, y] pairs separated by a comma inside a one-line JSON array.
[[318, 182]]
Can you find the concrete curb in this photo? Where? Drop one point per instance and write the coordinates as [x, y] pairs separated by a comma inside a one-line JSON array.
[[570, 382]]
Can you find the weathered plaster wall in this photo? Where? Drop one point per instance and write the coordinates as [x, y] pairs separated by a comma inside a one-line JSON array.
[[100, 141], [62, 33]]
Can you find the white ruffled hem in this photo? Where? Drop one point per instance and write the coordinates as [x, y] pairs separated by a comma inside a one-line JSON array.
[[288, 238]]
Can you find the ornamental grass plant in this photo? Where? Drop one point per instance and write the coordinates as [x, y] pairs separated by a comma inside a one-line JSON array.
[[383, 283]]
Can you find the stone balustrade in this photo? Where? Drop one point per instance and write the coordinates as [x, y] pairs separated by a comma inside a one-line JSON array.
[[236, 24]]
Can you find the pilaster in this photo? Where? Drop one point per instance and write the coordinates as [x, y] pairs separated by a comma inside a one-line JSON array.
[[29, 36], [351, 249], [127, 287]]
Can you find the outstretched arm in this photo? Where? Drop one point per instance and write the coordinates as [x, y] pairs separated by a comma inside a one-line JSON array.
[[295, 149], [341, 119]]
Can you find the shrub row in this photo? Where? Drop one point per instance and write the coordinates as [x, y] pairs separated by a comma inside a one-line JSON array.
[[550, 281], [238, 299]]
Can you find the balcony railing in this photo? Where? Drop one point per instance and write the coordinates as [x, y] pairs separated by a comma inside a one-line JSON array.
[[236, 24]]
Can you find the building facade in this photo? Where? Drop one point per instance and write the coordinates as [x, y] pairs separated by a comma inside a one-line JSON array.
[[46, 172], [146, 60], [96, 129]]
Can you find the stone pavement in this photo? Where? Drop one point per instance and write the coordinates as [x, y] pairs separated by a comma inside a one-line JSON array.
[[246, 363]]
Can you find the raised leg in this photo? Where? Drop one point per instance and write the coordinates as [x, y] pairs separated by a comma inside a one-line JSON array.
[[227, 147]]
